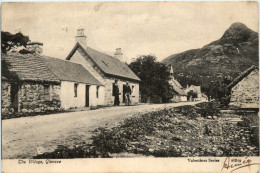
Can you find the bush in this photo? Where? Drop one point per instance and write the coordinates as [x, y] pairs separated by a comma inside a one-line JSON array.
[[208, 109], [63, 152]]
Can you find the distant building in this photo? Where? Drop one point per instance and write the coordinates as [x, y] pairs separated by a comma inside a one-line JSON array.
[[106, 69], [179, 92], [245, 89], [194, 89]]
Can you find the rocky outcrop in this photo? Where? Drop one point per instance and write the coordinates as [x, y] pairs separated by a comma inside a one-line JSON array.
[[234, 52]]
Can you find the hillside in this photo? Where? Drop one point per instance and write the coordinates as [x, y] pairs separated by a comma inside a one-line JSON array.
[[233, 53]]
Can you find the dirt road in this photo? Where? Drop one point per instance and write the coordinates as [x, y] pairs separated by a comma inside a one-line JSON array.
[[21, 137]]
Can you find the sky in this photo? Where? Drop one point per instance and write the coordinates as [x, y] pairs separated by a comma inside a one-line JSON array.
[[138, 28]]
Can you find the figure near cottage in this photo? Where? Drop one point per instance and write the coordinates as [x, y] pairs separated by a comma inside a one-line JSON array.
[[128, 93], [116, 93]]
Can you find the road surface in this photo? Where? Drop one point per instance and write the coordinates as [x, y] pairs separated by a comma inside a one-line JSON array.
[[25, 137]]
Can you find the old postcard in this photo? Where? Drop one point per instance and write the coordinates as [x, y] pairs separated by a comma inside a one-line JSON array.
[[130, 86]]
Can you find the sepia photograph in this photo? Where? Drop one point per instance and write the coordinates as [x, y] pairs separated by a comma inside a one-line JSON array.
[[153, 82]]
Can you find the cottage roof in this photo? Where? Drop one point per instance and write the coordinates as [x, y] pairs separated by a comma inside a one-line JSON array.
[[196, 89], [29, 67], [108, 64], [70, 71], [242, 76], [177, 87]]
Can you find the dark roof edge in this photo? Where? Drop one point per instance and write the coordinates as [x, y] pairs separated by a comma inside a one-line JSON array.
[[73, 51], [242, 76], [39, 81], [121, 77], [81, 82]]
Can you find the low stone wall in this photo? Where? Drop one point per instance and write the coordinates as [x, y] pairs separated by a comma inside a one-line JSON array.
[[32, 98], [36, 98], [6, 97]]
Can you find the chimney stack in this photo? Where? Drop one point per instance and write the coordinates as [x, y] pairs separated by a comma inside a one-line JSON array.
[[119, 55], [81, 38], [35, 47]]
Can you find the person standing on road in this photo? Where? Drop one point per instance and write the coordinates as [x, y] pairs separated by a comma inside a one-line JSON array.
[[116, 93], [128, 92]]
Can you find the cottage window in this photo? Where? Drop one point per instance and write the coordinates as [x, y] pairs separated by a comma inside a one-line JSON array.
[[76, 90], [97, 91]]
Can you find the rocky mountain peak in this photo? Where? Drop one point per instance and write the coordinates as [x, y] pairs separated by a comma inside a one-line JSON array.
[[234, 52], [238, 33]]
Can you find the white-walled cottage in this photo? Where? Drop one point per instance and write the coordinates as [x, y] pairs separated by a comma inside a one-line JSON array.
[[194, 89], [106, 69], [78, 87]]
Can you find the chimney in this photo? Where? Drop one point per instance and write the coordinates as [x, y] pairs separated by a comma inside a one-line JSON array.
[[119, 55], [35, 47], [171, 72], [81, 38]]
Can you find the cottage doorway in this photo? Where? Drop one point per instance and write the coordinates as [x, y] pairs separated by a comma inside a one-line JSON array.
[[87, 96], [124, 91], [14, 96]]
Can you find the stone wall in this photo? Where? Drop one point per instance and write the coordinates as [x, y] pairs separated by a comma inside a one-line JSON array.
[[246, 93], [109, 98], [35, 97], [6, 97]]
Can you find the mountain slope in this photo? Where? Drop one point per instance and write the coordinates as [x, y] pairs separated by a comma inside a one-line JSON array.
[[233, 53]]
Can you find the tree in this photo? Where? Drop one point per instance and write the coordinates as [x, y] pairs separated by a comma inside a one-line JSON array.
[[220, 92], [154, 86], [10, 41], [10, 75]]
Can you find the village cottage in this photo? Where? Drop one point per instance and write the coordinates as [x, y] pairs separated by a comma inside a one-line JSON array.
[[28, 85], [179, 93], [196, 90], [78, 87], [245, 89], [34, 83], [106, 69]]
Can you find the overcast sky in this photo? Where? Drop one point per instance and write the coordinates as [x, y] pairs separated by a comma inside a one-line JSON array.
[[139, 28]]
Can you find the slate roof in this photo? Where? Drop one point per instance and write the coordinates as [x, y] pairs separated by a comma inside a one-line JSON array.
[[32, 67], [177, 87], [108, 64], [69, 71], [242, 76], [197, 89], [29, 67]]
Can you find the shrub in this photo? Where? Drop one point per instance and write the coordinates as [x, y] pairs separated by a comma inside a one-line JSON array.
[[63, 152]]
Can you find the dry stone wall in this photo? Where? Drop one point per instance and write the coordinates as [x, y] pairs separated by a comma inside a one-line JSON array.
[[39, 97], [32, 98], [6, 97], [246, 93]]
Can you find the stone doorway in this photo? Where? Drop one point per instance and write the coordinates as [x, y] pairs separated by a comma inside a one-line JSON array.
[[14, 96]]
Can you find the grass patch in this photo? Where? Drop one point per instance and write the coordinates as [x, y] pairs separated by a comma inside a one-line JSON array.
[[172, 132]]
